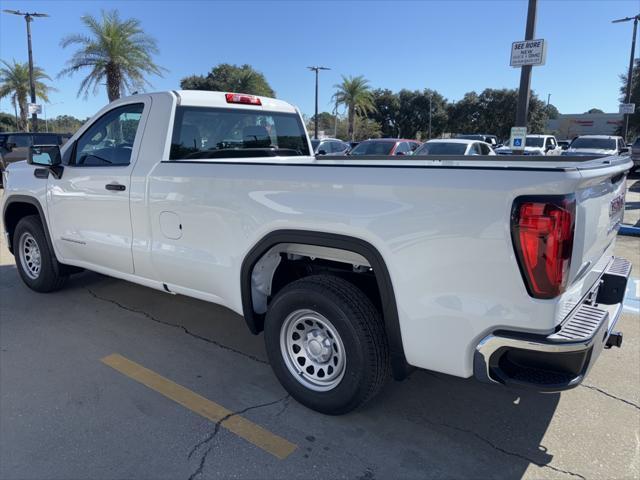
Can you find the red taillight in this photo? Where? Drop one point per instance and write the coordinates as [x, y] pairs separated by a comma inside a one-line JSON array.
[[542, 231], [242, 98]]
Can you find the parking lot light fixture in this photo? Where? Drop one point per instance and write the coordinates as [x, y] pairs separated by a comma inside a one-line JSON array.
[[32, 85], [316, 69], [627, 97]]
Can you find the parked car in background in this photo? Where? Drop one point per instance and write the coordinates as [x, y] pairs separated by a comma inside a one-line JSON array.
[[564, 144], [14, 146], [492, 140], [454, 146], [597, 145], [635, 153], [330, 146], [386, 146], [535, 145]]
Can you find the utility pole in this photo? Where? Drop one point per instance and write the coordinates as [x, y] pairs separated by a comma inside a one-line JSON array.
[[317, 69], [430, 97], [32, 84], [627, 97], [525, 72], [548, 99]]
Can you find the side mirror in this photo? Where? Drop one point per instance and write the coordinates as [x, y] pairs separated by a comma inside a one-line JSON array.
[[322, 152], [44, 155]]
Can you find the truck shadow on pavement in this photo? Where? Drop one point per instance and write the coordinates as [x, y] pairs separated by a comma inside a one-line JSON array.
[[435, 425]]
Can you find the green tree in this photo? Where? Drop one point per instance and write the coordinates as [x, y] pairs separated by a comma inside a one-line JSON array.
[[594, 110], [552, 111], [230, 78], [413, 116], [14, 83], [464, 115], [326, 123], [7, 122], [355, 94], [634, 118], [386, 113], [115, 50]]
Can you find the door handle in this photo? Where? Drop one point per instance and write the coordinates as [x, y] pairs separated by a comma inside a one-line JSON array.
[[115, 186]]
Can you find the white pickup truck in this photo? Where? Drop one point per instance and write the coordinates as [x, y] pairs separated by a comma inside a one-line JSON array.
[[355, 268]]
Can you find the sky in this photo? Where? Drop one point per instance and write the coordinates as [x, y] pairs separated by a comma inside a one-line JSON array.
[[451, 46]]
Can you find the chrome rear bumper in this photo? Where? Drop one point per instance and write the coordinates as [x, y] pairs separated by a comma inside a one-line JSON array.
[[561, 360]]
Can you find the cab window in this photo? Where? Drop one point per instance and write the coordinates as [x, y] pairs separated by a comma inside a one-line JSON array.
[[203, 132], [109, 141]]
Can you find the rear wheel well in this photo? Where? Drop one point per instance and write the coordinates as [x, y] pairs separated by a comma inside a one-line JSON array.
[[287, 255]]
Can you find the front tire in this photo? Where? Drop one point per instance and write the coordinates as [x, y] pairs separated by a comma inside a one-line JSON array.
[[326, 344], [36, 263]]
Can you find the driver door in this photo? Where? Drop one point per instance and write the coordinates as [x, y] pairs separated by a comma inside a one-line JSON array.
[[89, 206]]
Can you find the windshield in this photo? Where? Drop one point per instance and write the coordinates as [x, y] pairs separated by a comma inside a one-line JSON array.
[[371, 147], [441, 148], [202, 132], [597, 143]]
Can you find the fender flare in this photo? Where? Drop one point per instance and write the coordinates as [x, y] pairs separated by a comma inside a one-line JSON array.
[[31, 201], [255, 322]]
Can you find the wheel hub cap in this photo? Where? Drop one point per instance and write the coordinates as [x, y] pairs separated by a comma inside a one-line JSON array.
[[312, 350], [30, 258]]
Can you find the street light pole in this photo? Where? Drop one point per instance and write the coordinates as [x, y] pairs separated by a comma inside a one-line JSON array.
[[525, 72], [317, 69], [32, 83], [430, 97], [627, 97]]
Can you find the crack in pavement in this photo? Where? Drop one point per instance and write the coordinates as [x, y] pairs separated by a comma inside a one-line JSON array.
[[176, 325], [500, 449], [216, 429], [604, 392]]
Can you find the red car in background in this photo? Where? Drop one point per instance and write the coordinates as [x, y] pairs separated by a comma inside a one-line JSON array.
[[385, 146]]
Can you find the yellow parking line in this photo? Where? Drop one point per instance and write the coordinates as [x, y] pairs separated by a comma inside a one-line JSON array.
[[242, 427]]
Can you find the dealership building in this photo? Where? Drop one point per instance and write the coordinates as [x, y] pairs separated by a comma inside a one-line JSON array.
[[571, 125]]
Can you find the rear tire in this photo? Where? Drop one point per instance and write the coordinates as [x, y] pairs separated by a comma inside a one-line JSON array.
[[326, 344], [36, 263]]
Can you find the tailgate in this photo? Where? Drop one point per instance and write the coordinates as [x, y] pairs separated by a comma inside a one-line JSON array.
[[599, 213]]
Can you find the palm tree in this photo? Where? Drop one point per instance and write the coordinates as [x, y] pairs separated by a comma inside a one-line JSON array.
[[14, 83], [115, 50], [355, 94]]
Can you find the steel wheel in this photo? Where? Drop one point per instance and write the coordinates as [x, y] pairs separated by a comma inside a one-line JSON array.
[[30, 257], [312, 350]]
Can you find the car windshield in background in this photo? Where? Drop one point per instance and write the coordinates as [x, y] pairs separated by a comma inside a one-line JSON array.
[[371, 147], [201, 133], [534, 142], [442, 148], [595, 143]]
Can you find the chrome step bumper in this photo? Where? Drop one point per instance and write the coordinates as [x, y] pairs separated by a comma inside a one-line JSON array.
[[561, 360]]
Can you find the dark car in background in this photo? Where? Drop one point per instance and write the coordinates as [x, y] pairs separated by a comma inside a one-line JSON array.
[[14, 146], [635, 153], [330, 146], [385, 146]]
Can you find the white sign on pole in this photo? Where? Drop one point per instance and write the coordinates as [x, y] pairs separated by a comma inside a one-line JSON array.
[[35, 108], [528, 52], [518, 138], [627, 108]]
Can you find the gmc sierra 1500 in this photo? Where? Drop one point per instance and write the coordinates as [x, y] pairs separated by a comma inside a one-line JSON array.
[[493, 267]]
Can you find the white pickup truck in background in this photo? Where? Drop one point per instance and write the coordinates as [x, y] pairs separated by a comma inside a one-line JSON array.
[[493, 267]]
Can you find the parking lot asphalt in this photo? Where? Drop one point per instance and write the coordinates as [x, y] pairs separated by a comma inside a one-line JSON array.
[[109, 380]]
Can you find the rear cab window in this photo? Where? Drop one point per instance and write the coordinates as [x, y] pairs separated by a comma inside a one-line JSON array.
[[213, 133]]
